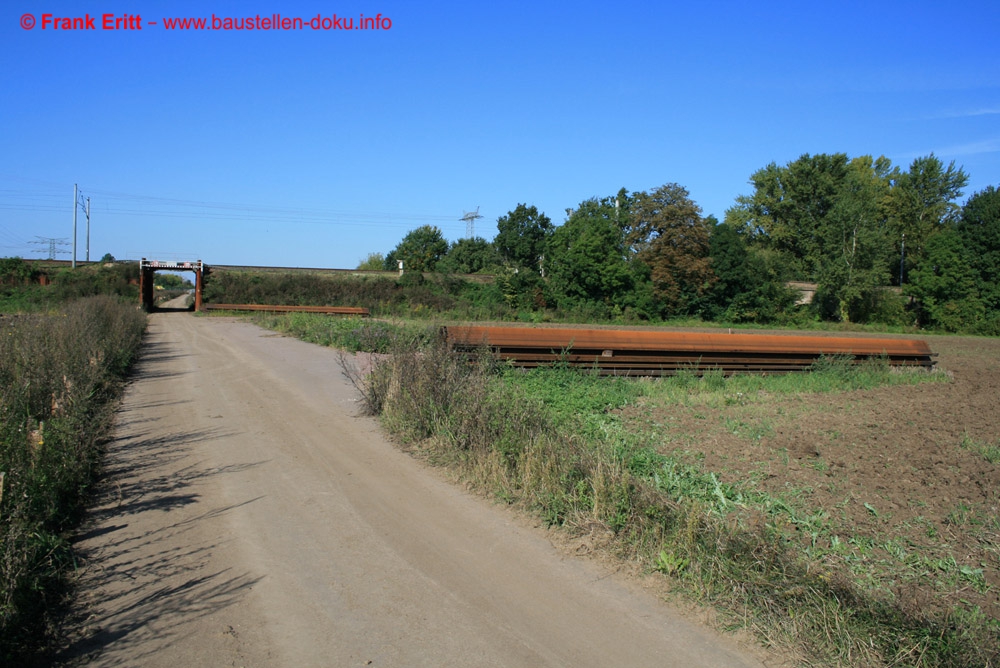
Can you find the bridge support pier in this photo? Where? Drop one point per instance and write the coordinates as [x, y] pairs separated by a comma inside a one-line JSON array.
[[145, 285], [198, 283]]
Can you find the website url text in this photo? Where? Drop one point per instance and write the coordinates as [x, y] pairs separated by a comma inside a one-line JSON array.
[[48, 21]]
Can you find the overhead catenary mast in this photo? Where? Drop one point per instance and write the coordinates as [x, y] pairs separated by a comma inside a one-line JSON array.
[[78, 203], [88, 229]]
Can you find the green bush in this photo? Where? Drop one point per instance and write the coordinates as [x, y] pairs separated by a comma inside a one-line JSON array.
[[15, 271]]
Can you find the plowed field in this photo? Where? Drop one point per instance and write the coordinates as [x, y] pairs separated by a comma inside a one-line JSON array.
[[899, 485]]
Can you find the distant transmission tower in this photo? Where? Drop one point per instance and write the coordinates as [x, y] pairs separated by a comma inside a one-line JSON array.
[[470, 222], [53, 245]]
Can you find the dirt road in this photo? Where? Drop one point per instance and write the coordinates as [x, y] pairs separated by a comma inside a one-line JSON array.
[[251, 518]]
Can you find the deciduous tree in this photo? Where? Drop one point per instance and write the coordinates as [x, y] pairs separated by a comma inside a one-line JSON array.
[[522, 236], [979, 226], [374, 262], [945, 284], [469, 256], [852, 238], [788, 206], [746, 289], [668, 234], [420, 250], [919, 203], [827, 217], [587, 259]]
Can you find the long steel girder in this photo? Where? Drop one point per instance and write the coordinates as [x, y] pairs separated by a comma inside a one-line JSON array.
[[649, 352]]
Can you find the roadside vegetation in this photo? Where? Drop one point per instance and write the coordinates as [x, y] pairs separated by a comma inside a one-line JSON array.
[[411, 295], [351, 333], [21, 287], [438, 297], [60, 375], [553, 441]]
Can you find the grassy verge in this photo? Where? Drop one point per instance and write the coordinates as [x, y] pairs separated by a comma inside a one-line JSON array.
[[349, 333], [60, 374], [550, 441]]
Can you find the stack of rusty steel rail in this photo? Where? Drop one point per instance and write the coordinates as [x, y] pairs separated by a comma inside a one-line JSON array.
[[275, 308], [655, 353]]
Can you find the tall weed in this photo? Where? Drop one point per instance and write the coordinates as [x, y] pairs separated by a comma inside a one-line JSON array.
[[59, 374]]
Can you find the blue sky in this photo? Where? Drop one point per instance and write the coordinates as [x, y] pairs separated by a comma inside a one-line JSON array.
[[314, 148]]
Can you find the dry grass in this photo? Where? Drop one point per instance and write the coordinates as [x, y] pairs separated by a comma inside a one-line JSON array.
[[59, 374]]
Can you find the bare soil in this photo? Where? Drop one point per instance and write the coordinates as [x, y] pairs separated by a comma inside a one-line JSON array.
[[249, 517], [895, 483]]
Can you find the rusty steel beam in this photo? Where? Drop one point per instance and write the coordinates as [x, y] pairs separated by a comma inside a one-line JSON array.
[[273, 308], [651, 352], [622, 339]]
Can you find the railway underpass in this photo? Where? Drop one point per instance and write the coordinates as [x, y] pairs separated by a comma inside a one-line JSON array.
[[147, 269]]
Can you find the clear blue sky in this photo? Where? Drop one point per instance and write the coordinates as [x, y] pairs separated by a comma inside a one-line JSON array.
[[314, 148]]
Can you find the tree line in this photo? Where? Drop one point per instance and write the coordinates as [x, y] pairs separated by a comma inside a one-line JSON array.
[[882, 245]]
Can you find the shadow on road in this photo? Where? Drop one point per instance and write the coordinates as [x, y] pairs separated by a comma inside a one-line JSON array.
[[153, 361], [145, 580], [145, 619], [170, 309]]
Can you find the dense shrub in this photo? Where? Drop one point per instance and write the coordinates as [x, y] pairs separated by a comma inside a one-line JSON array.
[[299, 289], [412, 294], [15, 271], [118, 279]]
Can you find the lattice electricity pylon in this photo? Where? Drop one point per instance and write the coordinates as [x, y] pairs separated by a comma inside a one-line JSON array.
[[53, 244], [470, 222]]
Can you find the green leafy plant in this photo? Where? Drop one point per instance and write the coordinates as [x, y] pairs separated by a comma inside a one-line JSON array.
[[670, 564]]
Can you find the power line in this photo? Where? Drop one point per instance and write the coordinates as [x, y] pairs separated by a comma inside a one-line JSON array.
[[117, 203], [392, 221], [7, 235]]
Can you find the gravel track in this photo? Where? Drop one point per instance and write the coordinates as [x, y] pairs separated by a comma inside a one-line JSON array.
[[250, 517]]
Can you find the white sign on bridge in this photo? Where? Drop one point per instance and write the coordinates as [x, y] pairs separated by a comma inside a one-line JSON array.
[[170, 264]]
